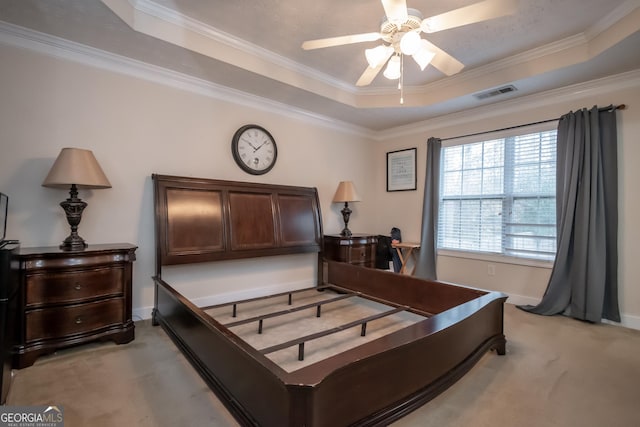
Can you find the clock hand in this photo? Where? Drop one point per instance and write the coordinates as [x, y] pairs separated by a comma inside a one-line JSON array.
[[259, 147], [250, 144]]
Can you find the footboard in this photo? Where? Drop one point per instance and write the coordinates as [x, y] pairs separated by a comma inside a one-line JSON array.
[[394, 378], [385, 379]]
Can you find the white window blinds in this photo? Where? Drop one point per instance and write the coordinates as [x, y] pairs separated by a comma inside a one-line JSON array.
[[498, 196]]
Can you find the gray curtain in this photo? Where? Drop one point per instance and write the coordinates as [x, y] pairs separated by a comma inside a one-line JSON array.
[[584, 279], [426, 262]]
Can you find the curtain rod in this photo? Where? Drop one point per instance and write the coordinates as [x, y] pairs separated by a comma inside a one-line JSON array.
[[610, 107]]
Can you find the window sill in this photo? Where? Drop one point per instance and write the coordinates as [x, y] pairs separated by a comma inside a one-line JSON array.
[[496, 258]]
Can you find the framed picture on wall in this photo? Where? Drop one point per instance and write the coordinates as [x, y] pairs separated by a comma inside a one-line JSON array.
[[401, 170]]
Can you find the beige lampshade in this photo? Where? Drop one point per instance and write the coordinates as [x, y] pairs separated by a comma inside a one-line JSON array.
[[346, 192], [76, 166]]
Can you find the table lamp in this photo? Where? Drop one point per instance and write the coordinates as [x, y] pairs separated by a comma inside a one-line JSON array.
[[77, 168], [346, 193]]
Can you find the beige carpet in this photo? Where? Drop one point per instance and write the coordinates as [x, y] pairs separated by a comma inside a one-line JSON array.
[[557, 372], [296, 324]]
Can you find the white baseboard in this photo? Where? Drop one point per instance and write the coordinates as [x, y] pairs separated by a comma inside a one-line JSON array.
[[141, 313], [249, 293], [627, 321], [521, 300]]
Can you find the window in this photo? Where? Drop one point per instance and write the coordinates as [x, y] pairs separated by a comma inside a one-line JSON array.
[[498, 196]]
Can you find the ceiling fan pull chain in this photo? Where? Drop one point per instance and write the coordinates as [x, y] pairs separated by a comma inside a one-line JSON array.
[[401, 81]]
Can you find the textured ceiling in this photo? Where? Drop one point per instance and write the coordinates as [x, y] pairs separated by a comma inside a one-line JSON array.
[[255, 46]]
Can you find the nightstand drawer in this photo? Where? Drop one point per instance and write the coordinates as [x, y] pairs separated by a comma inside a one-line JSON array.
[[359, 254], [357, 249], [73, 286], [60, 322]]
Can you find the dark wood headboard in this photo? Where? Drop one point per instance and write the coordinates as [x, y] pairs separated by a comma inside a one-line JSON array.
[[201, 220]]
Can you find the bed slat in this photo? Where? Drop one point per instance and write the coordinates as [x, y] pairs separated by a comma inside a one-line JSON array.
[[289, 310], [301, 340]]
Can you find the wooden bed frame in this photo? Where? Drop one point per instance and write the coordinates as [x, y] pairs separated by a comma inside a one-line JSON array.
[[200, 220]]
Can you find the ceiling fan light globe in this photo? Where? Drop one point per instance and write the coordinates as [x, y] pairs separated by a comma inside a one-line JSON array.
[[377, 55], [410, 43], [423, 56], [392, 71]]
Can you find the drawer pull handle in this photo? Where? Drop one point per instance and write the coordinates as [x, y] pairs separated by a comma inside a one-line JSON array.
[[77, 287], [78, 320]]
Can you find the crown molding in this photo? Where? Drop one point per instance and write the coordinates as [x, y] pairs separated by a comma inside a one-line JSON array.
[[162, 23], [581, 43], [612, 18], [570, 93], [174, 17], [159, 21], [46, 44], [61, 48]]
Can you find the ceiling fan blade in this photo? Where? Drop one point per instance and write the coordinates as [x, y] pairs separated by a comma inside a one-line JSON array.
[[395, 10], [482, 11], [367, 77], [341, 40], [371, 72], [443, 61]]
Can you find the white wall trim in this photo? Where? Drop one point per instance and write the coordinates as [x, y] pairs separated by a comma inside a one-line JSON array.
[[17, 36], [174, 17], [522, 300], [627, 321], [495, 258], [542, 99], [151, 18], [142, 313], [610, 19], [631, 322], [46, 44]]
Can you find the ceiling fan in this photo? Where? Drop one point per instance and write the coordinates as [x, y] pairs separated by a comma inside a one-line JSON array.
[[400, 35]]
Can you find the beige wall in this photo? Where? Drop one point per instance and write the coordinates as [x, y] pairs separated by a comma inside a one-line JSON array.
[[137, 127], [526, 284]]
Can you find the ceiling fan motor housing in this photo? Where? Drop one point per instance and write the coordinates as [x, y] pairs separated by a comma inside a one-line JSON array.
[[392, 34]]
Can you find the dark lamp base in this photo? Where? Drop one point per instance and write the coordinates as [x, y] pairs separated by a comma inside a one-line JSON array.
[[346, 213], [73, 243], [73, 208]]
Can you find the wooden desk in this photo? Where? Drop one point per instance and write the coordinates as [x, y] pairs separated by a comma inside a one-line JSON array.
[[407, 255]]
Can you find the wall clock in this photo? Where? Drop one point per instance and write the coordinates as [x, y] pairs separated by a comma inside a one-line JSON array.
[[254, 149]]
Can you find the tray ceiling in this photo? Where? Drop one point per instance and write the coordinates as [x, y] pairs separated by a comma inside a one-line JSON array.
[[254, 46]]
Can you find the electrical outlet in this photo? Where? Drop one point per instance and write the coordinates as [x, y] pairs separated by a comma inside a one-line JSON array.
[[491, 269]]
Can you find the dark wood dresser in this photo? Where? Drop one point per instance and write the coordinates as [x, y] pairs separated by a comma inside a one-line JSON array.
[[357, 249], [73, 297]]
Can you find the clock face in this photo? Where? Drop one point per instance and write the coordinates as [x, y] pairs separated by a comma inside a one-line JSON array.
[[254, 149]]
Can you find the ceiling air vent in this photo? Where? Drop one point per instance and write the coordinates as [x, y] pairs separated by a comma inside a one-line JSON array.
[[495, 92]]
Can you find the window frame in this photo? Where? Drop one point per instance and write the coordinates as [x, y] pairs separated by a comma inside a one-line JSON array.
[[482, 137]]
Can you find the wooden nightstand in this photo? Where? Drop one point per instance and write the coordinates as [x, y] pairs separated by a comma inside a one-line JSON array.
[[69, 298], [358, 249]]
